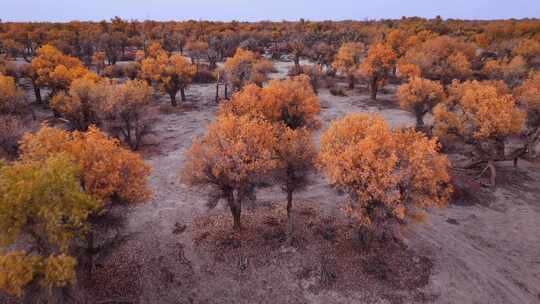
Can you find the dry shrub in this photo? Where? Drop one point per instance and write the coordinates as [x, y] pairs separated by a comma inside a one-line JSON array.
[[337, 91], [204, 75], [324, 248], [12, 128], [113, 71]]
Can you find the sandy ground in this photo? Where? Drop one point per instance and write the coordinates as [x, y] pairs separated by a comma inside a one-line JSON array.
[[488, 252]]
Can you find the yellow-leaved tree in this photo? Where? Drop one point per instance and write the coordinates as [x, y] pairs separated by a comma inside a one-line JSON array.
[[481, 115], [41, 201], [11, 97], [109, 173], [390, 176]]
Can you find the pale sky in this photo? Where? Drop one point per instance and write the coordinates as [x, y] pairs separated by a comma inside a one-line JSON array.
[[254, 10]]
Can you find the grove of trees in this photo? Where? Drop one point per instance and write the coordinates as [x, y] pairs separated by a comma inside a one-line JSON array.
[[78, 99]]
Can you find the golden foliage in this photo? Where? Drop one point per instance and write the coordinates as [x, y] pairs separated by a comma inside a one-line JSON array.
[[172, 73], [234, 152], [11, 97], [377, 66], [398, 171], [56, 70], [349, 57], [98, 60], [443, 57], [59, 271], [127, 111], [419, 96], [290, 101], [407, 70], [507, 70], [476, 111], [80, 104], [108, 170], [41, 201], [296, 153], [244, 67], [527, 48], [43, 197], [18, 269], [529, 94]]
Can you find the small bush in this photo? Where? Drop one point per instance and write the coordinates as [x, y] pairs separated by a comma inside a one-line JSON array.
[[337, 91], [204, 75], [113, 71]]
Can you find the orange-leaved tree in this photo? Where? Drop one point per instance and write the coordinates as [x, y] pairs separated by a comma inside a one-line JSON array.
[[390, 176], [529, 95], [292, 102], [234, 155], [56, 70], [80, 104], [527, 48], [511, 71], [171, 73], [295, 153], [348, 59], [245, 67], [127, 111], [11, 97], [109, 173], [377, 67], [419, 96], [441, 58], [481, 115]]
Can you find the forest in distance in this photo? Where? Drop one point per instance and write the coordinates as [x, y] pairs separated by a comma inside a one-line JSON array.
[[385, 161]]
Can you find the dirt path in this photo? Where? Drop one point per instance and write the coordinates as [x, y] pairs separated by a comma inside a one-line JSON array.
[[482, 254]]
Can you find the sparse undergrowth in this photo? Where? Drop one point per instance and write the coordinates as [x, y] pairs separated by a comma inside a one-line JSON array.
[[325, 253]]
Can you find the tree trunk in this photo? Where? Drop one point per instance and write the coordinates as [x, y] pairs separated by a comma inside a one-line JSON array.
[[289, 203], [351, 82], [236, 216], [37, 93], [90, 255], [217, 91], [374, 88], [236, 211], [290, 221], [297, 62], [419, 122], [183, 93], [493, 173], [173, 99]]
